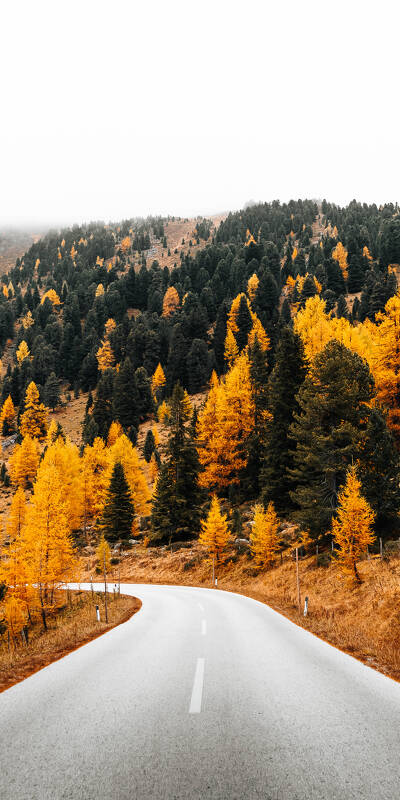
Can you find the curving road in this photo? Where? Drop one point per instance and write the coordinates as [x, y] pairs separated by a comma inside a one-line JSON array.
[[202, 694]]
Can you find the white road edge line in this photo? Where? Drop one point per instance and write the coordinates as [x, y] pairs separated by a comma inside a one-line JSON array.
[[203, 627], [197, 692]]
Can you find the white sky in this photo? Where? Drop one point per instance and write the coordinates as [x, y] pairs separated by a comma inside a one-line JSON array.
[[116, 109]]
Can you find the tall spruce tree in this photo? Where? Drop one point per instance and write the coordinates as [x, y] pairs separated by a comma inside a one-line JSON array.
[[244, 323], [285, 381], [116, 520], [327, 432], [125, 397], [378, 469], [257, 440], [175, 512]]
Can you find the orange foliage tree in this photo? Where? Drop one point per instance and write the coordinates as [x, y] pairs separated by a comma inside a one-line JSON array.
[[264, 535], [34, 419], [214, 535], [170, 302], [7, 417], [352, 527]]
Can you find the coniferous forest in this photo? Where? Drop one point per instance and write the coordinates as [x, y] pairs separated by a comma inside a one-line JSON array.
[[269, 353]]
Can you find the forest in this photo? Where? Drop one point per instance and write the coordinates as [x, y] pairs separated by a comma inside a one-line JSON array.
[[270, 357]]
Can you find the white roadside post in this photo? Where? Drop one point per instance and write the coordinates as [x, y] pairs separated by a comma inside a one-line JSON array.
[[97, 614], [306, 606], [298, 580]]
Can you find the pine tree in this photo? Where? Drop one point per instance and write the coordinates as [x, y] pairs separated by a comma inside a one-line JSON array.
[[378, 468], [258, 436], [175, 511], [352, 526], [51, 391], [158, 383], [244, 323], [264, 535], [284, 384], [125, 397], [7, 417], [327, 432], [34, 419], [118, 512], [149, 446], [214, 534]]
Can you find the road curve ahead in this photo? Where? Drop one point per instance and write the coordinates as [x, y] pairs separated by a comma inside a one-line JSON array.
[[202, 694]]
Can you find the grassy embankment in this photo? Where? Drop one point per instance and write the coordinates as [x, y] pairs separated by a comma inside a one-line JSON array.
[[70, 626]]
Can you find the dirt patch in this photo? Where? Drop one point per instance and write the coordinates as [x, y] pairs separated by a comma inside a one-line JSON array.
[[71, 627]]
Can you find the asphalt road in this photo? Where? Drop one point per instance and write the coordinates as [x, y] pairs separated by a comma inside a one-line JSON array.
[[202, 694]]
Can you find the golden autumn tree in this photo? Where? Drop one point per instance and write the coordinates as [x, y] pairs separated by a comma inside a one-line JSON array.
[[134, 470], [7, 417], [23, 352], [252, 286], [312, 325], [52, 295], [163, 412], [64, 456], [47, 546], [126, 244], [94, 480], [224, 424], [214, 535], [34, 419], [387, 362], [366, 253], [24, 462], [340, 255], [264, 536], [158, 381], [352, 527], [258, 332], [27, 320], [100, 290], [110, 327], [105, 356], [115, 430], [13, 567], [103, 554], [231, 351], [170, 302], [156, 435]]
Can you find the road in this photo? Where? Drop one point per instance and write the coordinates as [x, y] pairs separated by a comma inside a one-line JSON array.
[[202, 694]]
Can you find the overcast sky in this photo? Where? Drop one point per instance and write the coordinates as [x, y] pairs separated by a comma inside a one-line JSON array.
[[118, 109]]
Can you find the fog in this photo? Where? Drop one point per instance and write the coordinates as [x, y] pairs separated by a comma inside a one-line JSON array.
[[113, 110]]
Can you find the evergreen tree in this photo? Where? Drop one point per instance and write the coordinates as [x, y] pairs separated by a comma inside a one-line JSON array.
[[125, 397], [327, 432], [175, 511], [118, 512], [244, 323], [356, 273], [284, 384], [341, 308], [257, 439], [378, 469], [219, 337], [149, 445], [51, 391]]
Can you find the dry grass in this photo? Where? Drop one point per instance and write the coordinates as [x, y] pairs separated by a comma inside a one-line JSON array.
[[362, 620], [71, 626]]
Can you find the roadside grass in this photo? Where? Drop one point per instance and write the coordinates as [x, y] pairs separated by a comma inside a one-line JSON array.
[[363, 620], [71, 625]]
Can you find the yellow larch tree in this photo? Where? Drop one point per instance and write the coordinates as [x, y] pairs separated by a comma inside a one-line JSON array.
[[231, 351], [24, 462], [105, 356], [386, 368], [126, 244], [214, 535], [114, 432], [252, 286], [156, 435], [46, 542], [23, 352], [110, 327], [163, 412], [27, 320], [352, 527], [158, 380], [312, 325], [52, 295], [94, 471], [34, 419], [100, 290], [103, 554], [134, 470], [153, 469], [170, 302], [264, 536], [52, 432], [13, 567], [258, 332], [7, 417], [366, 253], [64, 456], [340, 255]]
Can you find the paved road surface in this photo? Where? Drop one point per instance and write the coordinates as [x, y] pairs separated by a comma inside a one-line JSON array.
[[202, 694]]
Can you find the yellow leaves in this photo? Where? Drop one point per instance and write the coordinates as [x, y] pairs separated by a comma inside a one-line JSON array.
[[249, 239], [37, 263], [158, 379], [352, 528], [163, 412], [312, 324], [64, 456], [34, 419], [24, 461], [134, 469], [105, 356], [252, 286], [224, 423], [231, 351], [23, 352], [115, 431], [73, 252], [170, 302], [264, 535], [5, 291], [100, 290], [340, 255], [99, 263], [52, 295], [27, 320], [126, 244], [258, 332], [110, 326], [7, 416], [214, 534], [295, 253], [366, 253], [386, 361], [103, 554]]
